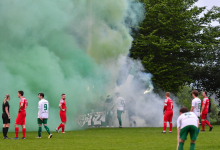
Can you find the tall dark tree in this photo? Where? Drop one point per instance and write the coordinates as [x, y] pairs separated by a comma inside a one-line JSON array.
[[171, 39]]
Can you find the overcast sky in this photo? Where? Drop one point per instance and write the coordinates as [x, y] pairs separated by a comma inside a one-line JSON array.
[[209, 4]]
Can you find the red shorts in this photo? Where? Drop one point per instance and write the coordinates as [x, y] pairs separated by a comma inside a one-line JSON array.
[[63, 116], [203, 116], [168, 116], [20, 120]]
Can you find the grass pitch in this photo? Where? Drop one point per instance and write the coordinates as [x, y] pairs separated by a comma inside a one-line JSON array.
[[111, 138]]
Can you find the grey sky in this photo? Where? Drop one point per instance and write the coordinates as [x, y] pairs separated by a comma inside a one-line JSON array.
[[209, 4]]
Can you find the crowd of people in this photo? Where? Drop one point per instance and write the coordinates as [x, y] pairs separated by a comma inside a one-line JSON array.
[[188, 122], [43, 115]]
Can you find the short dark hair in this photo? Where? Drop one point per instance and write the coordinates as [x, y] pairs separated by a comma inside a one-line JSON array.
[[63, 94], [184, 110], [195, 92], [21, 92], [205, 93], [41, 94]]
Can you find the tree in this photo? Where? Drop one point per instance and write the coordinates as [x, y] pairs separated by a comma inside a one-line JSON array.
[[171, 41], [207, 69]]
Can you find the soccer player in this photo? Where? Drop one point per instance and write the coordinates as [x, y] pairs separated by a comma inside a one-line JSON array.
[[43, 115], [187, 122], [62, 106], [204, 111], [168, 112], [20, 120], [5, 116], [120, 108], [196, 104]]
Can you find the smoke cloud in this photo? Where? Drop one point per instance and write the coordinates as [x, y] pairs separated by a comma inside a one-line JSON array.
[[62, 46], [76, 47]]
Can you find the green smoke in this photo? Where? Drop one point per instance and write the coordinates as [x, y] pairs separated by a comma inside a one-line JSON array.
[[62, 46]]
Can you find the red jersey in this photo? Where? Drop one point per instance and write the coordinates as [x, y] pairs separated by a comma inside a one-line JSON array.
[[24, 101], [168, 105], [206, 103], [63, 105]]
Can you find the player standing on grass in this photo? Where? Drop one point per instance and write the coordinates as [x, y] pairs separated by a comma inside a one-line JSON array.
[[5, 116], [204, 111], [120, 108], [62, 106], [196, 104], [43, 115], [187, 122], [20, 120], [168, 112]]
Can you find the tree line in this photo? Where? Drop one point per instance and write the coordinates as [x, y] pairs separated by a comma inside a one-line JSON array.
[[177, 43]]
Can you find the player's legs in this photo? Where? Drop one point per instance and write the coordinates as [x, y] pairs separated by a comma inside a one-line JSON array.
[[63, 119], [6, 128], [63, 122], [46, 127], [165, 122], [193, 136], [17, 122], [23, 131], [119, 112], [23, 125], [170, 121], [183, 136], [39, 122], [192, 145], [181, 144], [6, 124], [203, 119]]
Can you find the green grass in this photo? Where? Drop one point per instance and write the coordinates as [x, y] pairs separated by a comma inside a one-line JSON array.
[[111, 138]]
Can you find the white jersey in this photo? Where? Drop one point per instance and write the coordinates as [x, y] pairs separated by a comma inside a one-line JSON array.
[[121, 103], [196, 103], [43, 106], [186, 119]]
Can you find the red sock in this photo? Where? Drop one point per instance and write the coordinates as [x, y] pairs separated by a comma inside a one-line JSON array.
[[60, 126], [164, 126], [171, 125], [24, 132], [203, 125], [208, 123], [16, 131], [63, 126]]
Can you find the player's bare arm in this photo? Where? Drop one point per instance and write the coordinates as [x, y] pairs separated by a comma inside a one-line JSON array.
[[178, 135], [20, 107], [192, 108], [202, 109], [164, 108], [6, 110], [60, 106]]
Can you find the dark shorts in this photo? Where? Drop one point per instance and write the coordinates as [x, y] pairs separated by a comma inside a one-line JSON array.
[[193, 130], [5, 119], [44, 121]]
